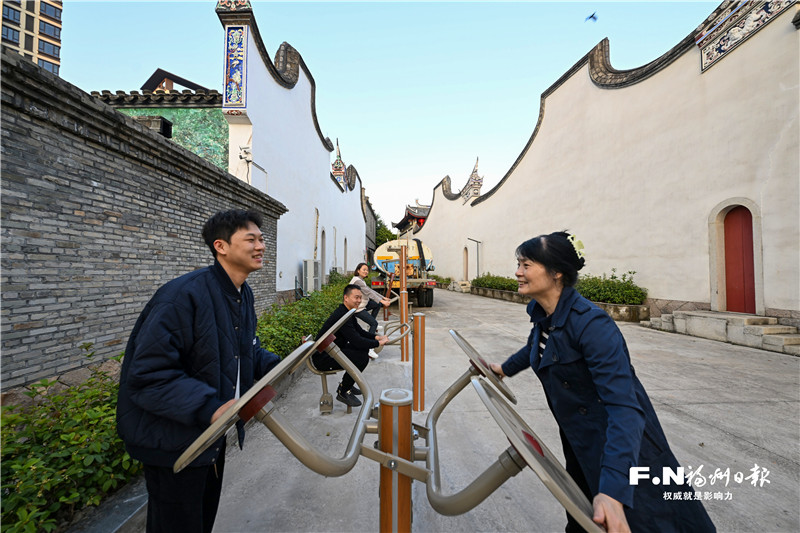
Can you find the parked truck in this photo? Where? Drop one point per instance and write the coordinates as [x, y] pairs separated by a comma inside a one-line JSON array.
[[419, 261]]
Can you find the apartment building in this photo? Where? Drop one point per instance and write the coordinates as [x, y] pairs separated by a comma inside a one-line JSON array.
[[33, 28]]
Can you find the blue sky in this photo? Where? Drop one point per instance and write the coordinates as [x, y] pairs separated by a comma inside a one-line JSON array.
[[413, 91]]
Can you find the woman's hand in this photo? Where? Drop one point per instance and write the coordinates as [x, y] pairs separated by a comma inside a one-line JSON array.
[[610, 514], [497, 369], [386, 302]]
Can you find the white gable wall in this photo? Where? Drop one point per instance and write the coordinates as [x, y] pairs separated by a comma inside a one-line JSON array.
[[636, 173], [285, 142]]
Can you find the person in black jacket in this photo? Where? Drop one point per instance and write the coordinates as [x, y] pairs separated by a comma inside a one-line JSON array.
[[354, 342], [192, 353]]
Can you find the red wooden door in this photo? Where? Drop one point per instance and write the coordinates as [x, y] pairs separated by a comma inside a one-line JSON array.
[[740, 283]]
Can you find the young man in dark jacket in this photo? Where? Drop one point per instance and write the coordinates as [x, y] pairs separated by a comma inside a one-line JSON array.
[[354, 343], [192, 353]]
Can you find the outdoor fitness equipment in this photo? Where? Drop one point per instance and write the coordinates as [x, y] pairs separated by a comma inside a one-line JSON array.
[[526, 448], [257, 402], [391, 329]]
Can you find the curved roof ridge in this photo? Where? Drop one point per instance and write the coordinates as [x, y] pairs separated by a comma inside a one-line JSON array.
[[447, 190], [604, 76], [285, 69], [351, 175], [607, 77]]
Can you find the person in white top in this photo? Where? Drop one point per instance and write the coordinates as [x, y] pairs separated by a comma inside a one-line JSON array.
[[370, 303]]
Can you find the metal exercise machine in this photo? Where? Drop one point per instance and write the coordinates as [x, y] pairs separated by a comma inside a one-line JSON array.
[[396, 452]]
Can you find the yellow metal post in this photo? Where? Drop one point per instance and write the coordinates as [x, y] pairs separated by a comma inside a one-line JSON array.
[[404, 352], [394, 438], [418, 363]]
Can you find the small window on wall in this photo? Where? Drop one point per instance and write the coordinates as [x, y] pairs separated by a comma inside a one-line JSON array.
[[48, 66], [50, 11], [49, 29], [10, 14], [49, 49], [10, 35]]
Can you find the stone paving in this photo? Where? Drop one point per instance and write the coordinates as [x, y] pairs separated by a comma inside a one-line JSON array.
[[723, 407]]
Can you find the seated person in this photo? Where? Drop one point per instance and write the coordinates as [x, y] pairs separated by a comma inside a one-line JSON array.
[[353, 341], [371, 301]]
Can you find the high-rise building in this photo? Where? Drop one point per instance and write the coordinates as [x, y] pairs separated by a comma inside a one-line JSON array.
[[33, 28]]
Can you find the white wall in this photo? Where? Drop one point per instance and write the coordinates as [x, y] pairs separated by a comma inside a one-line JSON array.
[[636, 172], [285, 142]]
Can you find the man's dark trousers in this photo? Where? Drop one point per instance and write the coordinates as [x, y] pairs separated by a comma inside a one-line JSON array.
[[359, 358], [186, 501]]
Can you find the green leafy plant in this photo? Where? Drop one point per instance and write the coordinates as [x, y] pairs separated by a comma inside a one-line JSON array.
[[444, 282], [334, 278], [61, 454], [495, 282], [612, 289], [282, 328], [382, 232]]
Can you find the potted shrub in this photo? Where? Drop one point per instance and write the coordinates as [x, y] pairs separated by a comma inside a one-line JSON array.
[[441, 282], [619, 296], [499, 287]]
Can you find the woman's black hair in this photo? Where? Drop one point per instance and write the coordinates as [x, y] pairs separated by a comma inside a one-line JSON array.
[[358, 267], [555, 253]]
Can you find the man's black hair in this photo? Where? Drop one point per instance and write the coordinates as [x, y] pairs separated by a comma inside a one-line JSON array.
[[225, 223], [348, 289]]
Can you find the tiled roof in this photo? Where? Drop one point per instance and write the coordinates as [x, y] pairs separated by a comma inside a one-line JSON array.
[[160, 75], [185, 98]]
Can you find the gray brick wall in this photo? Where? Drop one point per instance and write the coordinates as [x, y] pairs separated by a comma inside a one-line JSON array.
[[97, 213]]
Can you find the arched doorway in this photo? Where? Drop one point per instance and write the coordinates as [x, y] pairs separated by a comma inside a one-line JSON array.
[[744, 221], [466, 265], [740, 288]]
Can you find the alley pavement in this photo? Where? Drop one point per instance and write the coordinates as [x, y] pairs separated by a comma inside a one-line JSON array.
[[731, 415]]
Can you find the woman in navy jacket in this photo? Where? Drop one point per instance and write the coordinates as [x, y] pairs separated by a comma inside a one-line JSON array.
[[606, 421]]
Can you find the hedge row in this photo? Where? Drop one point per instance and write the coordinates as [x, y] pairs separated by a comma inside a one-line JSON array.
[[495, 282], [445, 282], [282, 328], [63, 453], [611, 289]]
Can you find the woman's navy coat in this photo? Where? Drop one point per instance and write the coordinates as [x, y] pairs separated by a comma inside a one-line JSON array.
[[607, 422]]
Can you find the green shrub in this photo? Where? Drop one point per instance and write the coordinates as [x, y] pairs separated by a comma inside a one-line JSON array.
[[282, 328], [61, 454], [334, 278], [496, 282], [612, 289], [440, 280]]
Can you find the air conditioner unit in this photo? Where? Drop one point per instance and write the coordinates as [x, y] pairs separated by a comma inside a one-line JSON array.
[[311, 275]]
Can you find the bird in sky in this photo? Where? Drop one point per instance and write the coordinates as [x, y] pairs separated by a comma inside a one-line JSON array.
[[592, 17]]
